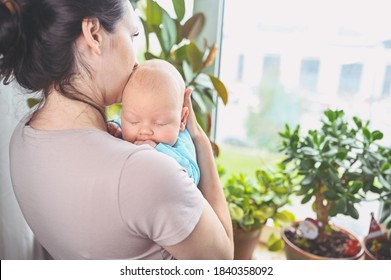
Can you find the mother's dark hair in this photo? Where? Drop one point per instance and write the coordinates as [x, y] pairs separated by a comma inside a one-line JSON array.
[[37, 40]]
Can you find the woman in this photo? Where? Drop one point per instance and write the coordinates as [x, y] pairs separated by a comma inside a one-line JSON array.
[[84, 193]]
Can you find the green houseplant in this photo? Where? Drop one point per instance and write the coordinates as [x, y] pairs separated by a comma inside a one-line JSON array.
[[254, 201], [337, 165]]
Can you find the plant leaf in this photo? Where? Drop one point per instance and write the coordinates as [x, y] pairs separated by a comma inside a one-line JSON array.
[[31, 102], [339, 207], [274, 243], [211, 56], [309, 151], [180, 8], [187, 72], [194, 56], [193, 26], [235, 211], [356, 186], [384, 182], [149, 56], [331, 195], [284, 217], [168, 33], [306, 198], [308, 179], [220, 88], [377, 135], [367, 133], [330, 153], [352, 211], [153, 14]]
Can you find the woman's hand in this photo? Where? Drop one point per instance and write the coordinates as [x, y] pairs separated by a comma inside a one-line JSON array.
[[192, 125]]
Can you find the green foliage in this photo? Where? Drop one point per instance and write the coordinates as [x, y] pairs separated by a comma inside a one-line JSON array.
[[338, 164], [31, 102], [303, 243], [274, 243], [176, 38], [252, 202]]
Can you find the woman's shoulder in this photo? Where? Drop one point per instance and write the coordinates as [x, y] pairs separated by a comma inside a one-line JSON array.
[[157, 198], [151, 160], [153, 169], [89, 143]]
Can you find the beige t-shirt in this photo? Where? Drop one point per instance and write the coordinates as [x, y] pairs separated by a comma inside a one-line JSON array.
[[88, 195]]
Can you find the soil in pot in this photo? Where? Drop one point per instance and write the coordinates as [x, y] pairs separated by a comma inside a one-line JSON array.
[[337, 244]]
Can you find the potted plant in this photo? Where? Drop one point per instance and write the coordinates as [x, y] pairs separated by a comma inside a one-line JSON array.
[[337, 165], [254, 201]]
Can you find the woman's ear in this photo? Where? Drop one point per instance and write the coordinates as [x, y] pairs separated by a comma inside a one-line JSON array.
[[185, 114], [92, 33]]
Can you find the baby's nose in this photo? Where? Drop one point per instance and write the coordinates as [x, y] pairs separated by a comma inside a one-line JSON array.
[[146, 129]]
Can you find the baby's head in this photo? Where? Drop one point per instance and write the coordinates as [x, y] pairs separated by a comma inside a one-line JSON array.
[[152, 104]]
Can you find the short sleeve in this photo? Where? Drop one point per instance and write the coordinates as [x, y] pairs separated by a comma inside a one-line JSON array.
[[157, 199]]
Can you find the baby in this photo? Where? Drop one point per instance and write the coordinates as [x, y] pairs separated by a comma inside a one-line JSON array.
[[153, 113]]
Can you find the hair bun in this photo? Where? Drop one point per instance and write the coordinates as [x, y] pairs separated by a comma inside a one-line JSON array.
[[10, 34]]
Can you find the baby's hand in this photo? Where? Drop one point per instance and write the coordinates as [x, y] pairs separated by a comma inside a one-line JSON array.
[[149, 142]]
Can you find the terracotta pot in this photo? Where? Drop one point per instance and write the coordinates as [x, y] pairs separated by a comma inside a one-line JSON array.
[[367, 254], [245, 243], [293, 252]]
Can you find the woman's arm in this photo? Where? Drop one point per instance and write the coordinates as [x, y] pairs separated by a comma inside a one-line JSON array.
[[212, 237]]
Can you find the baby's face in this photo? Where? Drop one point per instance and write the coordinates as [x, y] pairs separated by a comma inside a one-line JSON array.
[[151, 116]]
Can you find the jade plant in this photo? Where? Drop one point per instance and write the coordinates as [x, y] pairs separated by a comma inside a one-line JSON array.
[[252, 201], [338, 165]]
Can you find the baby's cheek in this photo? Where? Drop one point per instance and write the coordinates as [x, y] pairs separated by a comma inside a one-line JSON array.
[[172, 139], [128, 135]]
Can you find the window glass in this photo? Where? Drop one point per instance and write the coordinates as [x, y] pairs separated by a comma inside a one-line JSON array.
[[387, 81], [288, 61]]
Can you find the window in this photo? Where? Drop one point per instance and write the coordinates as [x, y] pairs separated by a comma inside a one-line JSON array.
[[387, 82], [286, 62], [240, 67], [349, 83], [309, 71], [270, 69]]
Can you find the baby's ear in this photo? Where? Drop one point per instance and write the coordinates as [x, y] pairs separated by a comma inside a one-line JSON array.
[[184, 115]]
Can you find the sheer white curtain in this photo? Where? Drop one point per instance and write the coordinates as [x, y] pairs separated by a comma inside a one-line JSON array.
[[16, 238]]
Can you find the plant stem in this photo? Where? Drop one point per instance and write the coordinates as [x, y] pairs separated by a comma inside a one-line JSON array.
[[322, 211]]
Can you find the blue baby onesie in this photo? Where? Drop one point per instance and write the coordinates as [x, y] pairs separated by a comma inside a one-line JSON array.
[[184, 153]]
